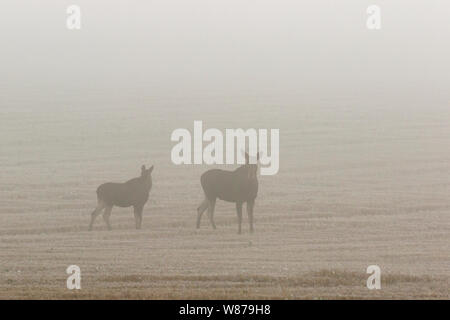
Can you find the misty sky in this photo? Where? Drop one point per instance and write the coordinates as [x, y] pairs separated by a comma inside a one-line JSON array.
[[226, 47]]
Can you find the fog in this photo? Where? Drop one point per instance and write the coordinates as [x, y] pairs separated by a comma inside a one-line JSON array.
[[362, 119], [177, 48]]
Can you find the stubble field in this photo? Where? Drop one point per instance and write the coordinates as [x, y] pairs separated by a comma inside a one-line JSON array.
[[359, 184]]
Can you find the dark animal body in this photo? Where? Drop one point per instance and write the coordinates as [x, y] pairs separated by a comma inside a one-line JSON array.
[[239, 186], [133, 193]]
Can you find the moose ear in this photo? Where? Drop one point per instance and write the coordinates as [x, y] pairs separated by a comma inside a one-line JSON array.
[[247, 158], [258, 155], [150, 169], [143, 168]]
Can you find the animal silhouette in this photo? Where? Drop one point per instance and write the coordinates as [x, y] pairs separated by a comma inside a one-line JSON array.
[[134, 192], [238, 186]]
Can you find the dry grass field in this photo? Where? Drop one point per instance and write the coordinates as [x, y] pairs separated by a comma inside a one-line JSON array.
[[360, 183]]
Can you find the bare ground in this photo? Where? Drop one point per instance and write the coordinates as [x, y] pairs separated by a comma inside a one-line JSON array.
[[355, 188]]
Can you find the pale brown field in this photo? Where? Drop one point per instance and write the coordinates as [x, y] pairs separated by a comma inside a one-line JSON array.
[[358, 185]]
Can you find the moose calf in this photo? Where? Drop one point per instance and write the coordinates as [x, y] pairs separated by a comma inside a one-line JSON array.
[[238, 186], [134, 192]]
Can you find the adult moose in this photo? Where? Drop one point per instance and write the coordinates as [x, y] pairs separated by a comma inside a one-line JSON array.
[[238, 186], [134, 192]]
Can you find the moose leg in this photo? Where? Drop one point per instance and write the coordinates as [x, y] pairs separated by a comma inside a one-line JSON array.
[[212, 205], [106, 216], [239, 214], [141, 212], [203, 206], [96, 212], [250, 205], [138, 216]]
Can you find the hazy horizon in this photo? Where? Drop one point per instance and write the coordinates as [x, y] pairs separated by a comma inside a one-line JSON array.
[[177, 49]]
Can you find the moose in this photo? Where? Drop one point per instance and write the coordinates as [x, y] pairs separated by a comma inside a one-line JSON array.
[[134, 192], [238, 186]]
